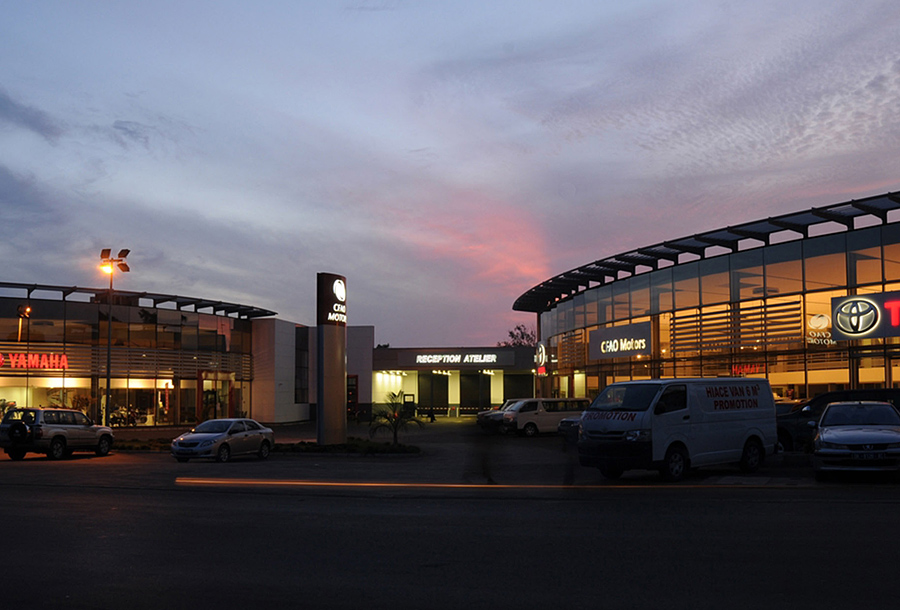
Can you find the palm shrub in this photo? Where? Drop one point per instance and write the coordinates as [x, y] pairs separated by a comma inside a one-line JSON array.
[[393, 416]]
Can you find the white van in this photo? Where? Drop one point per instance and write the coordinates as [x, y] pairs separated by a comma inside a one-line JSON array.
[[532, 416], [675, 424]]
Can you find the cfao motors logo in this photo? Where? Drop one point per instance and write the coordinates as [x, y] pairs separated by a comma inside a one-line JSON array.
[[856, 316]]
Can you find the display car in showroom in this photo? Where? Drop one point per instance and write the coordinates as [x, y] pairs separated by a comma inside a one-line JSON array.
[[57, 433], [857, 436], [221, 439]]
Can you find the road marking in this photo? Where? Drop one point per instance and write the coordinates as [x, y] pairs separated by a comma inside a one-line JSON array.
[[730, 482]]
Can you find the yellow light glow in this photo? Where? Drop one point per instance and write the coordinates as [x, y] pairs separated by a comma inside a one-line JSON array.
[[107, 268]]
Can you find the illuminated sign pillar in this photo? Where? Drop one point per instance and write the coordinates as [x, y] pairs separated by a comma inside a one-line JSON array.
[[331, 348]]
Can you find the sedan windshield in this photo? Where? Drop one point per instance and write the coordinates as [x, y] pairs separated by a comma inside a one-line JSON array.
[[861, 415], [632, 397], [213, 426]]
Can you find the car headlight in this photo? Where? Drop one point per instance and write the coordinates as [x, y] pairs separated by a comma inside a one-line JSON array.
[[827, 445], [637, 435], [207, 443]]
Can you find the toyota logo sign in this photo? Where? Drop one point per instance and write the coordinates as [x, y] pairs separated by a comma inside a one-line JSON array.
[[856, 316], [867, 316]]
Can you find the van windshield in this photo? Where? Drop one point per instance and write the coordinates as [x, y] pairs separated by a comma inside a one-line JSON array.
[[632, 397]]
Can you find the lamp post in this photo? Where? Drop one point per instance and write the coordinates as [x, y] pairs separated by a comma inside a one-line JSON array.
[[25, 314], [108, 265]]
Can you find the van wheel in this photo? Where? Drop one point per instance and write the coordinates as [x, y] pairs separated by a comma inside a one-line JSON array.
[[675, 465], [530, 430], [611, 472], [15, 454], [752, 457]]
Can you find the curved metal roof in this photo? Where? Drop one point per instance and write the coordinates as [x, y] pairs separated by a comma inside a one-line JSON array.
[[545, 295], [99, 295]]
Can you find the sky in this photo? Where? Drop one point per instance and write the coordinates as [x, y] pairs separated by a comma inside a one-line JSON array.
[[445, 157]]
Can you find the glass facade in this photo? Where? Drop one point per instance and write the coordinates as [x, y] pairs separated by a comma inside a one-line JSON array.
[[763, 312], [166, 366]]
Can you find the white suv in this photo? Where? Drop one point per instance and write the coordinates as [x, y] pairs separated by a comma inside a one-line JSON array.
[[54, 432]]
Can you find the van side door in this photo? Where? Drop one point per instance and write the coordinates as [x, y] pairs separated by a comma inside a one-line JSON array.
[[671, 421]]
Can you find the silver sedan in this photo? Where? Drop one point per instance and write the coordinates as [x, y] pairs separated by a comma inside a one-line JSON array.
[[857, 436], [223, 438]]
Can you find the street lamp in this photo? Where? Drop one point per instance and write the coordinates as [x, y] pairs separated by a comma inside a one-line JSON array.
[[108, 265]]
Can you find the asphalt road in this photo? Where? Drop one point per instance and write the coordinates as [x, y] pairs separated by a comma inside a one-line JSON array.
[[138, 530]]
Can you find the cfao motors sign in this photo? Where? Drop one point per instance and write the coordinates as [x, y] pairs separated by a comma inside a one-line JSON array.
[[331, 299], [867, 316]]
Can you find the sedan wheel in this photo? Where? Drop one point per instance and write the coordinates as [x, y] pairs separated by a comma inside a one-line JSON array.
[[223, 454], [264, 450]]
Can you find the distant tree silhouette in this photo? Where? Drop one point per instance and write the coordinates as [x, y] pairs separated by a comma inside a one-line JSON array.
[[520, 336]]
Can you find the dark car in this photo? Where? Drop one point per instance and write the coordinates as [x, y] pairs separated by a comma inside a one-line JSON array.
[[568, 429], [857, 436], [491, 420], [794, 430]]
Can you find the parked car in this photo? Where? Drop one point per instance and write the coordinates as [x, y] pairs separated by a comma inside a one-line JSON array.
[[794, 430], [857, 436], [220, 439], [491, 420], [532, 416], [54, 432], [568, 428]]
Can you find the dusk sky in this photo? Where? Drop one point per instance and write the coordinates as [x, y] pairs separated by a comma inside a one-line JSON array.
[[444, 156]]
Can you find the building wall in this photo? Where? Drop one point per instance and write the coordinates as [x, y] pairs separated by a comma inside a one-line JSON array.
[[274, 372], [761, 312], [360, 343]]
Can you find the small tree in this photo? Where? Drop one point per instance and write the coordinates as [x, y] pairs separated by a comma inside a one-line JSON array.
[[393, 416], [520, 336]]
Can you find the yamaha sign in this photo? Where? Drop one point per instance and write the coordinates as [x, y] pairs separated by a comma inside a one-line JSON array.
[[866, 316]]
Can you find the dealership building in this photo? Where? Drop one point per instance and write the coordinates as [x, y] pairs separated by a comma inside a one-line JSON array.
[[176, 360], [808, 300]]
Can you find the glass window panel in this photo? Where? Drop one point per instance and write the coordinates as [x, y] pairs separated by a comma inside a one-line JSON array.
[[189, 326], [687, 286], [747, 279], [45, 323], [784, 268], [621, 302], [564, 316], [864, 256], [661, 291], [890, 238], [209, 337], [714, 280], [578, 311], [604, 304], [590, 308], [640, 295], [82, 325], [825, 262]]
